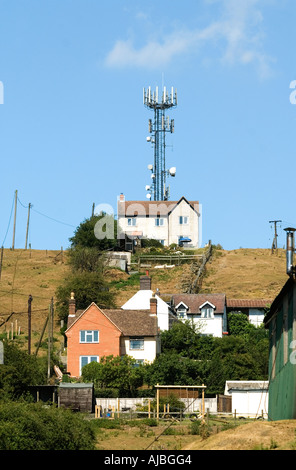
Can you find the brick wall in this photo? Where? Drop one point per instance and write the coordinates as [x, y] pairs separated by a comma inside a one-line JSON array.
[[109, 339]]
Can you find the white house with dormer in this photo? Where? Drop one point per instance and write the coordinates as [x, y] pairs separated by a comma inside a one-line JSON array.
[[166, 221], [206, 311]]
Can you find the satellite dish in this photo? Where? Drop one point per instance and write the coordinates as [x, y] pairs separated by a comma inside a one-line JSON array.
[[172, 171], [147, 187], [153, 176], [148, 138], [148, 196], [150, 167]]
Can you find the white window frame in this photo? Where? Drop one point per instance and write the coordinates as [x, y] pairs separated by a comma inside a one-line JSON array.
[[89, 336], [159, 222], [183, 219], [207, 312], [141, 348], [132, 221], [182, 312], [91, 358]]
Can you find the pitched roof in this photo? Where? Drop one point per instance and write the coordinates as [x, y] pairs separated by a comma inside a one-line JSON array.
[[129, 322], [151, 208], [133, 322], [248, 303], [194, 301]]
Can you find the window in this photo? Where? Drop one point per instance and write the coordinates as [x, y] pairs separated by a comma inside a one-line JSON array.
[[132, 221], [183, 220], [159, 222], [138, 363], [89, 336], [136, 343], [181, 312], [84, 360], [207, 312]]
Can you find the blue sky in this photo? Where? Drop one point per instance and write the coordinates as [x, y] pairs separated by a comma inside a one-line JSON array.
[[73, 126]]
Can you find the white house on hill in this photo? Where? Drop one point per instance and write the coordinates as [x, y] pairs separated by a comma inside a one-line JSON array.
[[166, 221]]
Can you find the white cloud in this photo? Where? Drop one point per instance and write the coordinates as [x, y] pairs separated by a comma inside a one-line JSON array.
[[238, 34]]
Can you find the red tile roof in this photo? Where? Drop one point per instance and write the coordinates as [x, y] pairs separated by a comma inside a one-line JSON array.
[[248, 303], [152, 208], [194, 301], [129, 322]]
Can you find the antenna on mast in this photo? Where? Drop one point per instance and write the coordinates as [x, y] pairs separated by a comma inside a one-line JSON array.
[[160, 103]]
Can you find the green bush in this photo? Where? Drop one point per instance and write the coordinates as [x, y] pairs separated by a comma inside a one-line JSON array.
[[26, 426], [195, 428]]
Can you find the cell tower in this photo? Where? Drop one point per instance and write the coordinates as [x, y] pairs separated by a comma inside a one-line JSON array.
[[158, 129]]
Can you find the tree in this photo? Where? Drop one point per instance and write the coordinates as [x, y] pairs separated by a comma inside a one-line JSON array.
[[238, 324], [180, 338], [19, 371], [88, 287], [85, 236], [170, 368], [83, 258], [115, 372]]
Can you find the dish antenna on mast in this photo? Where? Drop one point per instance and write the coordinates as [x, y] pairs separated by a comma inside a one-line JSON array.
[[160, 103]]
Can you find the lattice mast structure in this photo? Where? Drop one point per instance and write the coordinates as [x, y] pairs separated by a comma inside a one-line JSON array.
[[158, 127]]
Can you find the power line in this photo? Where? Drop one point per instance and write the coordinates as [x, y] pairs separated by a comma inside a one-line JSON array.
[[51, 218], [8, 222]]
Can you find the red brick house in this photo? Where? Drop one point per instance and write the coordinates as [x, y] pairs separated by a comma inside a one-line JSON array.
[[94, 333]]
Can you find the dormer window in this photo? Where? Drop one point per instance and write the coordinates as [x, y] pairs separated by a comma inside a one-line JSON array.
[[181, 310], [207, 310]]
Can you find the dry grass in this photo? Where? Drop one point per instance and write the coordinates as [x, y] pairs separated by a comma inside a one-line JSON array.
[[142, 437], [254, 435], [260, 435], [26, 272], [246, 274]]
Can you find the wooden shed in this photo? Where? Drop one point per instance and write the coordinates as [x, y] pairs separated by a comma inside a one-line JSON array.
[[77, 396]]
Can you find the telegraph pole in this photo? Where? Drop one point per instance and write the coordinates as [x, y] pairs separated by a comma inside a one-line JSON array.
[[29, 323], [27, 231], [14, 223], [50, 335], [274, 241]]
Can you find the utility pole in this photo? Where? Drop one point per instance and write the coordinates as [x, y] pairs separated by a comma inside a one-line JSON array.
[[29, 323], [274, 241], [14, 223], [1, 260], [50, 335], [27, 231]]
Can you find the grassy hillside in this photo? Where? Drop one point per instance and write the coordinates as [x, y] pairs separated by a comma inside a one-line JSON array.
[[246, 273], [243, 273]]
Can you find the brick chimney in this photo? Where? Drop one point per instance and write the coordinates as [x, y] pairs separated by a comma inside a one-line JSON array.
[[145, 283], [72, 306], [121, 197], [153, 305]]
